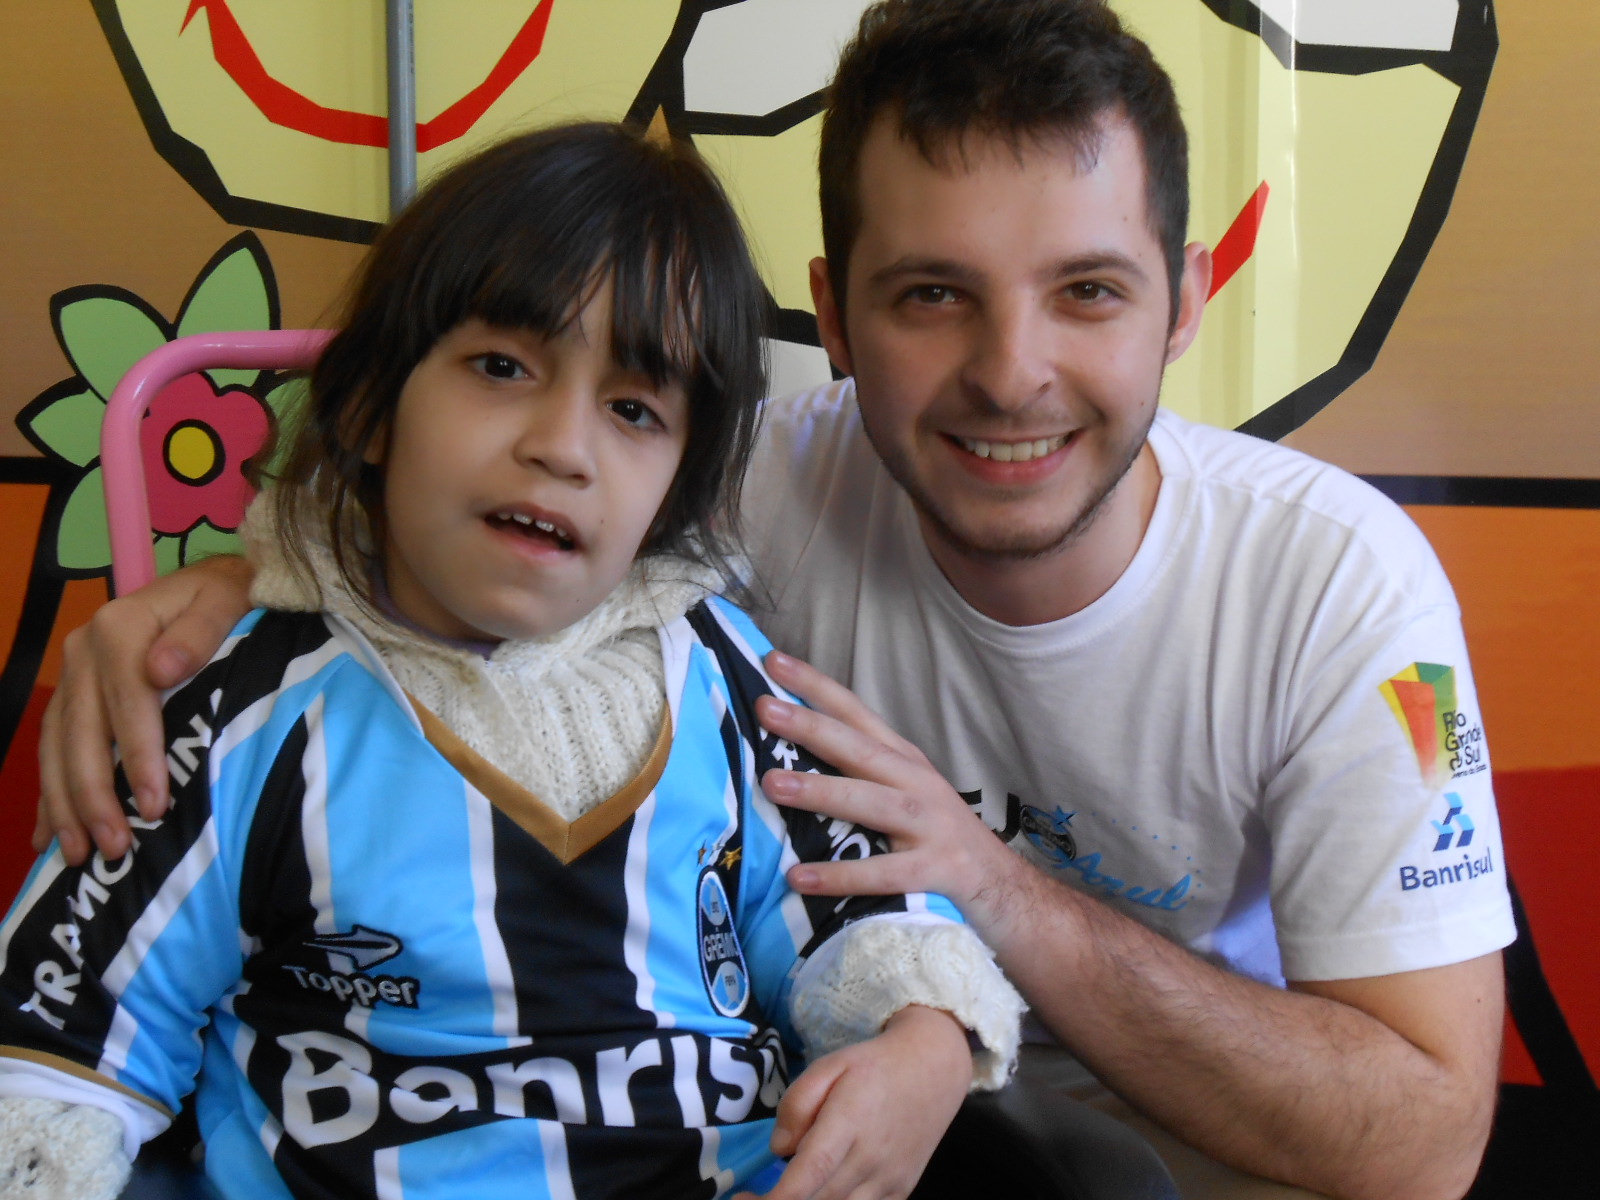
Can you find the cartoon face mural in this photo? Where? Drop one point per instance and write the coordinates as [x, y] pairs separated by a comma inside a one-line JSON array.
[[1327, 139]]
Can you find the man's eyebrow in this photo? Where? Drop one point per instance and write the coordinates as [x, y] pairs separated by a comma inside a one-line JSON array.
[[1093, 262], [949, 269], [916, 265]]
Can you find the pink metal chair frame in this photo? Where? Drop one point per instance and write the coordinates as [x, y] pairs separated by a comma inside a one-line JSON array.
[[133, 557]]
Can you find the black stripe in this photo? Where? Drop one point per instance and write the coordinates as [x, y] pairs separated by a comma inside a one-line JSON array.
[[564, 927], [1489, 491], [815, 838]]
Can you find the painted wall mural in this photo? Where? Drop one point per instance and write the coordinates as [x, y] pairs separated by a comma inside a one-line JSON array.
[[185, 165]]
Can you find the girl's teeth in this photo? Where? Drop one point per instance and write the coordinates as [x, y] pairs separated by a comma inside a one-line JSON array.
[[1014, 451]]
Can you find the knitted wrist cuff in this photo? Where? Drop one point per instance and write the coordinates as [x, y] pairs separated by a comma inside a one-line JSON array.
[[50, 1149], [872, 969]]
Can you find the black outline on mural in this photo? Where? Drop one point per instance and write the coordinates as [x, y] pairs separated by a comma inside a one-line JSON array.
[[41, 600], [192, 163], [1468, 64], [1489, 491]]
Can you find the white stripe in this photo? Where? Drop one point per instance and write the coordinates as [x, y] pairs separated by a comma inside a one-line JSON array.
[[496, 962], [271, 1133], [314, 819], [710, 1148], [52, 867], [793, 905], [386, 1174], [686, 1081], [557, 1174], [747, 651], [250, 720], [636, 939], [677, 643], [364, 651], [152, 921]]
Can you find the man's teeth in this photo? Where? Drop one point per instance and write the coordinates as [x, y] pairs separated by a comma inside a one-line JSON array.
[[1014, 451]]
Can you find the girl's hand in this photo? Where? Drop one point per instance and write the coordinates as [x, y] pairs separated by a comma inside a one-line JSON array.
[[111, 673], [862, 1122]]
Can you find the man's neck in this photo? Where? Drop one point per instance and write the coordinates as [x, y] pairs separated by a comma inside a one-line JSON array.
[[1033, 591]]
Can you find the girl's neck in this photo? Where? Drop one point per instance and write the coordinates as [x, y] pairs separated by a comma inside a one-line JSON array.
[[386, 605]]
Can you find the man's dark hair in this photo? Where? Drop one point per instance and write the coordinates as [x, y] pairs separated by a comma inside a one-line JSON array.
[[523, 235], [1018, 69]]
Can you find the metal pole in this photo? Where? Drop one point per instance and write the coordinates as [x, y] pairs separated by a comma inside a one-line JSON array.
[[402, 105]]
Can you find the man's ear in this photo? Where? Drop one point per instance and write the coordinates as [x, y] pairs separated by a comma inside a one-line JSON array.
[[1193, 292], [830, 323]]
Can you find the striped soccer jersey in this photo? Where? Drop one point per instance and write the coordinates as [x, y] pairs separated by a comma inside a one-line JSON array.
[[396, 973]]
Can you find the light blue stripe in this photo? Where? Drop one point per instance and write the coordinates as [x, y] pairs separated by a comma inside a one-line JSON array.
[[396, 807], [502, 1160]]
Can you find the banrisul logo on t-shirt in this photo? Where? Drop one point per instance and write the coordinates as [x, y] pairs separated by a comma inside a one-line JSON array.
[[1455, 857], [1448, 742]]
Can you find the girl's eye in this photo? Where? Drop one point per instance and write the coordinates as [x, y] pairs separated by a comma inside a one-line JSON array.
[[499, 366], [636, 413]]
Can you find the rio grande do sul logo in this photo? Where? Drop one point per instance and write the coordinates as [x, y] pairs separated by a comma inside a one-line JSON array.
[[1447, 742]]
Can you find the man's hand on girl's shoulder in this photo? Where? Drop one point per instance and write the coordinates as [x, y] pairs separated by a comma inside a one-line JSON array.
[[112, 673]]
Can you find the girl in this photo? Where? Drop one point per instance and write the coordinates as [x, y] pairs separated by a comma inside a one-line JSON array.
[[467, 885]]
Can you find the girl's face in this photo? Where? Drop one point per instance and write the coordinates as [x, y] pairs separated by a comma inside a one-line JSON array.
[[521, 475]]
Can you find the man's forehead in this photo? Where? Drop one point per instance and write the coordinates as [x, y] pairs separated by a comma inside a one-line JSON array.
[[965, 150], [1098, 183]]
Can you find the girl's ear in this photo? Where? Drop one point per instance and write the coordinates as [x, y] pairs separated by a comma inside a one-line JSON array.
[[377, 447]]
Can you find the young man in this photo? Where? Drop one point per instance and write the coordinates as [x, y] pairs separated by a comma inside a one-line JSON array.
[[1216, 693]]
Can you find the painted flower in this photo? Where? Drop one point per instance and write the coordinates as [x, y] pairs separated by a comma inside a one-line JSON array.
[[195, 441], [199, 431]]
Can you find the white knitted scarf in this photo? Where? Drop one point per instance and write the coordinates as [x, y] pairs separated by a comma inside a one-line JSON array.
[[572, 716]]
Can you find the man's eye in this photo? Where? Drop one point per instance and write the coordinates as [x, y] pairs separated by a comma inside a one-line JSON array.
[[499, 366], [1087, 291], [636, 413], [932, 293]]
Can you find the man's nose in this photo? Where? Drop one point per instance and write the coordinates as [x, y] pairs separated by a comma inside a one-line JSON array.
[[559, 434], [1008, 365]]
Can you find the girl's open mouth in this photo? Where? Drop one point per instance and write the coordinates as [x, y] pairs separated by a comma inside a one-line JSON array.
[[535, 529]]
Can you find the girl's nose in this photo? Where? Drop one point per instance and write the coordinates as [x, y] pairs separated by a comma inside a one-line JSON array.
[[559, 436]]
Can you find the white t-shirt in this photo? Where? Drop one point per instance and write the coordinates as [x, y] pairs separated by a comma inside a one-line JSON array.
[[1263, 741]]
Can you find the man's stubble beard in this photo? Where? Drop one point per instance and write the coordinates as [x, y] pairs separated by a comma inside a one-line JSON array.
[[1022, 549]]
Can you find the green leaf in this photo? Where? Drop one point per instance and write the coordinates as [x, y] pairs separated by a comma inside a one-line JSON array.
[[169, 553], [232, 296], [70, 426], [104, 336], [287, 401], [83, 542], [205, 539]]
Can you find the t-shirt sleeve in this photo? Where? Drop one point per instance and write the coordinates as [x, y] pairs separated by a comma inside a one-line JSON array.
[[1386, 847], [779, 927], [107, 970]]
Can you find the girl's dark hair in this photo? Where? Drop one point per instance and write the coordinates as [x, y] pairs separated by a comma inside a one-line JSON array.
[[1015, 69], [522, 235]]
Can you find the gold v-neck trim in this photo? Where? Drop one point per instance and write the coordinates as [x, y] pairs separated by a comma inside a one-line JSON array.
[[564, 839]]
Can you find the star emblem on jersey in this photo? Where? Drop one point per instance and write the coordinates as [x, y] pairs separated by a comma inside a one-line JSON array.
[[722, 966], [1049, 832]]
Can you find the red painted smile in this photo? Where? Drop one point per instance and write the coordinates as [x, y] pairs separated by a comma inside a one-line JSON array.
[[282, 105]]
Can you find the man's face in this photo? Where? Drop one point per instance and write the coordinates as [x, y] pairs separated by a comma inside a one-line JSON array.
[[1007, 322]]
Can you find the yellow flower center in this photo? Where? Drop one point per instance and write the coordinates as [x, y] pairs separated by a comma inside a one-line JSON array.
[[192, 452]]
